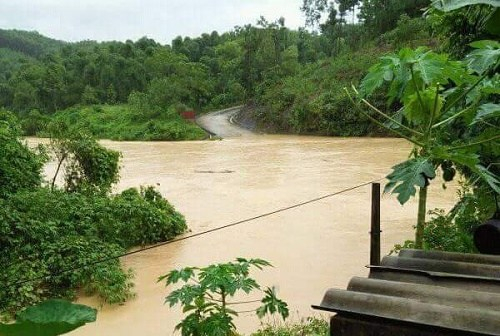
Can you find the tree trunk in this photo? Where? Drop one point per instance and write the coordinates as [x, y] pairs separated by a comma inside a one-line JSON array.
[[422, 202], [57, 171]]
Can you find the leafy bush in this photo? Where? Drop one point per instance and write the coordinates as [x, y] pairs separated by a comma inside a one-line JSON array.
[[206, 293], [137, 121], [313, 100], [90, 167], [311, 326], [46, 232], [34, 122], [453, 231], [20, 168], [409, 32]]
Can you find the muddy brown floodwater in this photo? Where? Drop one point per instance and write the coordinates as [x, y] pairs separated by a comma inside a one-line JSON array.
[[213, 183]]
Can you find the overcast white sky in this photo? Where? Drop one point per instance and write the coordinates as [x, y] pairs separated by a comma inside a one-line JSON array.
[[162, 20]]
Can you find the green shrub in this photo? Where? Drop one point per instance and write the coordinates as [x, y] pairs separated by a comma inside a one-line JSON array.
[[20, 168], [312, 326], [34, 122], [89, 166], [313, 100], [453, 231], [409, 32], [46, 232], [128, 122]]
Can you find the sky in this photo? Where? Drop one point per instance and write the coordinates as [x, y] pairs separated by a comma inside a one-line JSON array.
[[162, 20]]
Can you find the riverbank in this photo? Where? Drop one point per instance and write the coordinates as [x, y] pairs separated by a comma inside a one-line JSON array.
[[121, 122]]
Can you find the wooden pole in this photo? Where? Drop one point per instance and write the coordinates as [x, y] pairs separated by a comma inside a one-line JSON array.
[[375, 226]]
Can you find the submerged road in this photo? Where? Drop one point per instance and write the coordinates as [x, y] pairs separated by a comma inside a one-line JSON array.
[[221, 123]]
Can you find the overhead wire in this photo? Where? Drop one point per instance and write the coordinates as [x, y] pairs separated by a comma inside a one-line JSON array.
[[176, 240]]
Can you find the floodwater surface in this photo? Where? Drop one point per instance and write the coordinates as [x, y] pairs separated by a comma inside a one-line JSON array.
[[214, 183]]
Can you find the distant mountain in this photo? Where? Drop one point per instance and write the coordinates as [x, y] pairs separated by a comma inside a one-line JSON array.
[[30, 44]]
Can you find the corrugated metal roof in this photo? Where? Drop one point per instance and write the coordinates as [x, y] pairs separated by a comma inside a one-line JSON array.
[[440, 292]]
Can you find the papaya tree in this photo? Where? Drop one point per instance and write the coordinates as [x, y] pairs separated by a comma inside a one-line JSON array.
[[448, 113], [207, 296]]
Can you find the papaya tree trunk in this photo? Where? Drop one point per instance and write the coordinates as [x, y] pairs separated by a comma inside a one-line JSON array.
[[422, 202]]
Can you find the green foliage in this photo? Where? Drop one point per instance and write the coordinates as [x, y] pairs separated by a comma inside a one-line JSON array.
[[453, 231], [45, 232], [54, 237], [444, 234], [450, 5], [485, 55], [49, 318], [461, 22], [20, 168], [312, 101], [442, 102], [409, 32], [311, 326], [416, 79], [127, 122], [206, 293], [407, 175], [90, 167], [29, 43]]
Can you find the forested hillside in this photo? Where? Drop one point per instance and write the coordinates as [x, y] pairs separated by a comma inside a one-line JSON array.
[[294, 80]]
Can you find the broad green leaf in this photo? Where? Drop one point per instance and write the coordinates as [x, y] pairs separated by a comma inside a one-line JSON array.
[[449, 5], [485, 44], [460, 157], [418, 112], [490, 178], [373, 79], [486, 111], [271, 304], [431, 68], [408, 175], [485, 55], [174, 276], [49, 318]]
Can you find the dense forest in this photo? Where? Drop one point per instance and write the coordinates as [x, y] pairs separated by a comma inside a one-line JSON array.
[[292, 79]]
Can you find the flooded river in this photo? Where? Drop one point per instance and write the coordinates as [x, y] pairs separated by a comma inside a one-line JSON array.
[[213, 183]]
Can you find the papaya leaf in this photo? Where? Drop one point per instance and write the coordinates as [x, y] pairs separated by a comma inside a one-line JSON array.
[[408, 175], [485, 111], [373, 79], [271, 304], [49, 318], [485, 55], [449, 5], [490, 178], [461, 157], [430, 66], [419, 113]]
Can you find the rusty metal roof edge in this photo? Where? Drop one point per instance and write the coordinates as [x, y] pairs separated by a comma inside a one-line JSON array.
[[434, 274]]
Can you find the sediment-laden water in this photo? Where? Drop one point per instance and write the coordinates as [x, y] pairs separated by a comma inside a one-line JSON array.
[[213, 183]]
